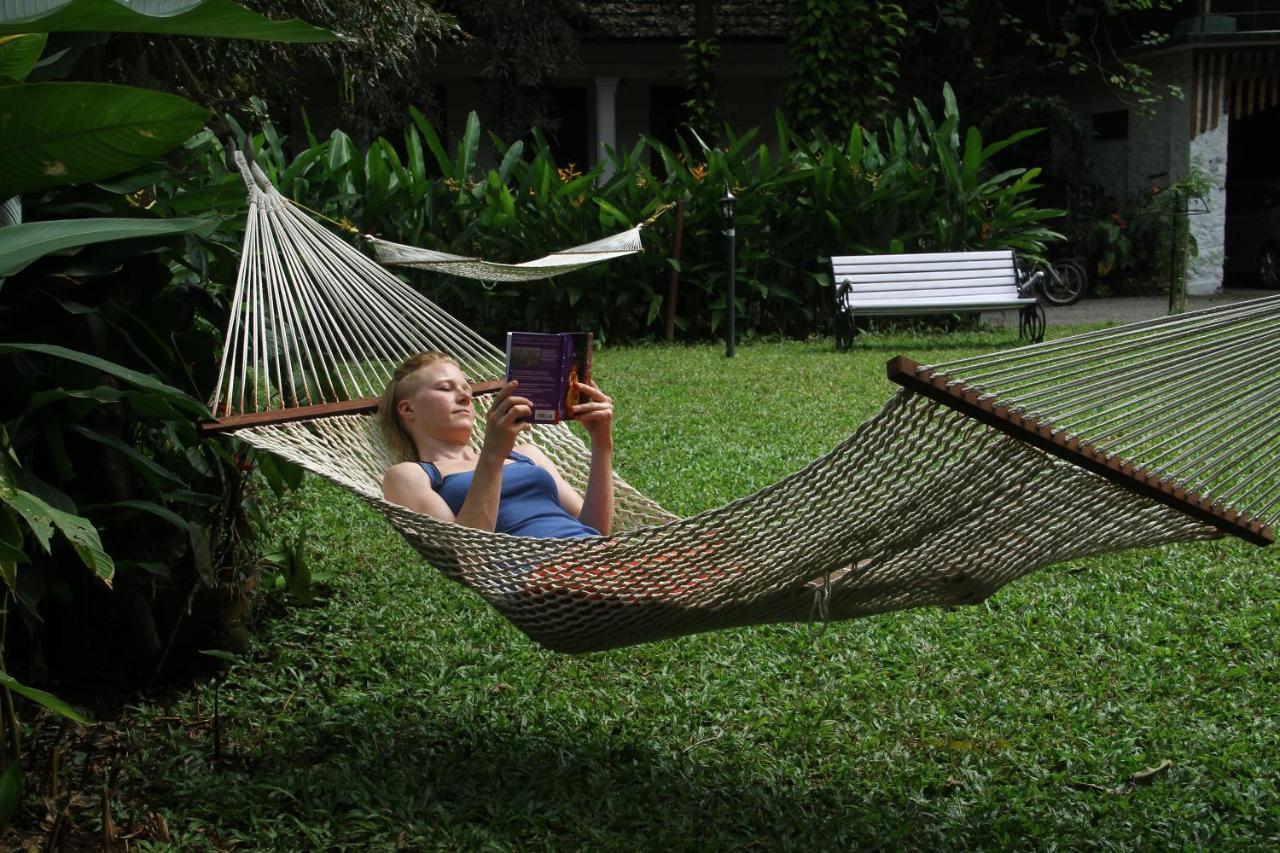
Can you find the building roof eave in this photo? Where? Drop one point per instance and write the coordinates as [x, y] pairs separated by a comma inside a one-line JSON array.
[[1202, 41]]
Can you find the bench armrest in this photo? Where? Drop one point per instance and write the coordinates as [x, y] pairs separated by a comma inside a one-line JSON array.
[[1028, 287]]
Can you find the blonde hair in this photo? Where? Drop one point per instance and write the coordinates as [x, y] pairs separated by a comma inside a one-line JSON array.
[[403, 383]]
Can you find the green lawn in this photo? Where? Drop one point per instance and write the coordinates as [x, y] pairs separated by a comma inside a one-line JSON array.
[[401, 710]]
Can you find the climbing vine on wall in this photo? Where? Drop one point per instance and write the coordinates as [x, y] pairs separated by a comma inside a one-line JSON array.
[[701, 79], [845, 56]]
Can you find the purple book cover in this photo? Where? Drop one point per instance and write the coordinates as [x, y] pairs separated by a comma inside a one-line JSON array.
[[545, 365]]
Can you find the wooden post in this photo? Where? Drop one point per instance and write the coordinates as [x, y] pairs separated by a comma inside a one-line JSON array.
[[673, 284]]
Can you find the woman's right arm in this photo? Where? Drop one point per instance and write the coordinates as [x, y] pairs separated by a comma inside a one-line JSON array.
[[480, 508]]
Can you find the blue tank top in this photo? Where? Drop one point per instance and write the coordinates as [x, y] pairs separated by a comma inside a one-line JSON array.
[[528, 504]]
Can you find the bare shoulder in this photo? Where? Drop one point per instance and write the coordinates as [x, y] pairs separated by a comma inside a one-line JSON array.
[[401, 470], [535, 453], [405, 475]]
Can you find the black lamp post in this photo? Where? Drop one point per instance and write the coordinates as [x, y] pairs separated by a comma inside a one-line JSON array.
[[726, 208]]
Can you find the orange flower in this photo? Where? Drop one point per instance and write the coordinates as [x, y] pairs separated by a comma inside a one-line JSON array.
[[698, 172], [568, 173]]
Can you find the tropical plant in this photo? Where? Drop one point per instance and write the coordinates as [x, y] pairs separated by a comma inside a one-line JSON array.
[[368, 75], [920, 184], [91, 444], [1144, 243]]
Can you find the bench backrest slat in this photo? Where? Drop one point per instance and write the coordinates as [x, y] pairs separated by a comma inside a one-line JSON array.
[[918, 269], [929, 294], [903, 279], [947, 257], [916, 280]]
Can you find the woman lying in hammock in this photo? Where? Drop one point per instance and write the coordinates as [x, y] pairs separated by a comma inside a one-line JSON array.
[[427, 416]]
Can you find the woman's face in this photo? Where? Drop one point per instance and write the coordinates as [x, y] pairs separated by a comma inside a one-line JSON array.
[[440, 403]]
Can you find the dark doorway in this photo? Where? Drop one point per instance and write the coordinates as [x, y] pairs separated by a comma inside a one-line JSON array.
[[1253, 200], [570, 140], [667, 114]]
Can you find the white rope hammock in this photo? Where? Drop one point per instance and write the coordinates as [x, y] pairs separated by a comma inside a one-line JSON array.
[[556, 263], [960, 485]]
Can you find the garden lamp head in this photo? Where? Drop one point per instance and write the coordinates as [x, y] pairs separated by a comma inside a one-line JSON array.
[[726, 206]]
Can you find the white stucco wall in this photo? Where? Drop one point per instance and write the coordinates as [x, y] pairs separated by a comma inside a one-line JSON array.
[[1208, 153]]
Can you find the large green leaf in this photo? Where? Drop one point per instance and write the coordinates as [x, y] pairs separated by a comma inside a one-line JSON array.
[[468, 148], [11, 211], [22, 244], [43, 519], [150, 507], [140, 380], [10, 793], [19, 53], [146, 465], [215, 18], [52, 134], [48, 700]]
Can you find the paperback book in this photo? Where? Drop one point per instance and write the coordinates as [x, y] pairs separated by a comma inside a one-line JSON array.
[[546, 366]]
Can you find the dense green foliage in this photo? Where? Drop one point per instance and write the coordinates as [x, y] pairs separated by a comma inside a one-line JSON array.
[[523, 46], [1146, 241], [372, 72], [98, 456], [992, 49], [405, 711], [702, 85], [922, 184], [845, 57]]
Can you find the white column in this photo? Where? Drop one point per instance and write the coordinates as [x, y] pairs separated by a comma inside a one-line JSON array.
[[1209, 154], [606, 119]]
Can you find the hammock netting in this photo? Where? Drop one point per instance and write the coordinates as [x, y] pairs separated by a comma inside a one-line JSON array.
[[921, 505]]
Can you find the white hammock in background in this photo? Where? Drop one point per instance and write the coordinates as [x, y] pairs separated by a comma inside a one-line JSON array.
[[556, 263]]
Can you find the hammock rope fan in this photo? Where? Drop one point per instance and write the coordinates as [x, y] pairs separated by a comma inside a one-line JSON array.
[[975, 473]]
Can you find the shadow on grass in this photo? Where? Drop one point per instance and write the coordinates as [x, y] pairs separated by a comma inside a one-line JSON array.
[[479, 781]]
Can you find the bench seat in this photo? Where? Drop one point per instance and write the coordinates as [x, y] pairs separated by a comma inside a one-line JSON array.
[[932, 283]]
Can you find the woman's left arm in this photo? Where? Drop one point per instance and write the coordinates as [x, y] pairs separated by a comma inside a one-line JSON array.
[[596, 509], [596, 417]]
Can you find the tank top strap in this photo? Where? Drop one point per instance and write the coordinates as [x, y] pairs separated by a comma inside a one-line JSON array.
[[520, 457], [434, 473]]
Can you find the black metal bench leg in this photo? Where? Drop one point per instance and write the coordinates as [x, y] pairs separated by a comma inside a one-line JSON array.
[[845, 331], [1032, 323]]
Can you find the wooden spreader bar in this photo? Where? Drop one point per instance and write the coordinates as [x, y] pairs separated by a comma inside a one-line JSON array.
[[957, 396], [307, 413]]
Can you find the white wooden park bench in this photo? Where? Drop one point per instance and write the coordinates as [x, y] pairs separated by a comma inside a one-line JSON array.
[[933, 283]]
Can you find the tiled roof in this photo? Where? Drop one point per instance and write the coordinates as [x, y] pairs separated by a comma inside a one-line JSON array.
[[672, 20]]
